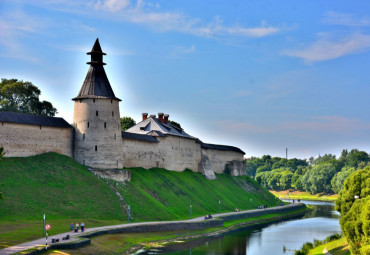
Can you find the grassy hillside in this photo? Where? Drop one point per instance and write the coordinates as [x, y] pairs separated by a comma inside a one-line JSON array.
[[66, 192], [163, 195], [55, 185]]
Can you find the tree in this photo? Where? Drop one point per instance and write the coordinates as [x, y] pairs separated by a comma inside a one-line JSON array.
[[174, 123], [353, 203], [127, 122], [338, 180], [355, 157], [19, 96], [318, 178], [2, 153]]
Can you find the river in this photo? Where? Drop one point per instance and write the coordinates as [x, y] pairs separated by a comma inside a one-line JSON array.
[[267, 239]]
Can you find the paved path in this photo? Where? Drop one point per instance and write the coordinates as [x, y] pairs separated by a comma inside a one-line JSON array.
[[325, 251], [74, 236]]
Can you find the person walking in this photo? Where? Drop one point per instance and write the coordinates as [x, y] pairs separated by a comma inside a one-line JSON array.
[[82, 227], [71, 226]]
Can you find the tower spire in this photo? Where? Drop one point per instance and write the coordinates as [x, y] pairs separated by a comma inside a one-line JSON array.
[[96, 84], [96, 54]]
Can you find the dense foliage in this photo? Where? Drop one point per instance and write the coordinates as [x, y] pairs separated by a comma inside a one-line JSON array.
[[323, 174], [127, 122], [20, 96], [354, 205]]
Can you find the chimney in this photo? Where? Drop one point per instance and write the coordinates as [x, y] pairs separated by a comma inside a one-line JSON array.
[[145, 115], [160, 117], [166, 118], [152, 116]]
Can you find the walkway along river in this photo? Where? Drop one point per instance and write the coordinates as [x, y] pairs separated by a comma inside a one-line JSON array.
[[268, 239]]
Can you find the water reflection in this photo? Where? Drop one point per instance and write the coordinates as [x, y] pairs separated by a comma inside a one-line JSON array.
[[267, 239]]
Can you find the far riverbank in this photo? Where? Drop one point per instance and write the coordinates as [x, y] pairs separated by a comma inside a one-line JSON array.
[[286, 194]]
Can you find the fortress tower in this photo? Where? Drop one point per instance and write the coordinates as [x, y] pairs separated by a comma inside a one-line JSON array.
[[96, 118]]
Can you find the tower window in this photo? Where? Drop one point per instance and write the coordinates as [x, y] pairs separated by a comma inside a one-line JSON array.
[[115, 137], [88, 124], [83, 136], [105, 124], [40, 126], [97, 113], [112, 113], [84, 162], [96, 147], [93, 100], [111, 101]]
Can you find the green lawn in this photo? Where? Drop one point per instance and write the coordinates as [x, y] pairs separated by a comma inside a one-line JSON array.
[[337, 247], [286, 194]]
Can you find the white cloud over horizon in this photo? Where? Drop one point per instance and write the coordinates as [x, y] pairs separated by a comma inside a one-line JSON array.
[[327, 47]]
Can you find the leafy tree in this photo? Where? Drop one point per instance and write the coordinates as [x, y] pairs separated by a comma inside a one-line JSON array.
[[174, 123], [353, 203], [318, 178], [127, 122], [263, 168], [338, 180], [286, 180], [19, 96], [355, 157], [327, 158], [2, 153]]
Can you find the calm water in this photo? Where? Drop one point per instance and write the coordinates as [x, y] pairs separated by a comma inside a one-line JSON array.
[[269, 239]]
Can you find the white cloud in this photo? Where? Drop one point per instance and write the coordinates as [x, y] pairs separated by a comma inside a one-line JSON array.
[[335, 18], [111, 5], [181, 50], [326, 48], [150, 15]]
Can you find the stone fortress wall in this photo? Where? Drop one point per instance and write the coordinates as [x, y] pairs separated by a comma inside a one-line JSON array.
[[22, 140], [177, 154], [170, 152]]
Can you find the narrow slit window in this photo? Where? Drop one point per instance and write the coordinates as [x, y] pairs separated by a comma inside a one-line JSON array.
[[115, 137], [111, 101], [105, 124], [88, 124], [96, 147], [97, 113], [93, 100], [83, 136], [112, 113]]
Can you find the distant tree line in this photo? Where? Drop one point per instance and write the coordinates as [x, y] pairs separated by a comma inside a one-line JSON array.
[[323, 174]]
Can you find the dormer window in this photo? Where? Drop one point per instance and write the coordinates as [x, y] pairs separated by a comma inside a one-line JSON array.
[[142, 128]]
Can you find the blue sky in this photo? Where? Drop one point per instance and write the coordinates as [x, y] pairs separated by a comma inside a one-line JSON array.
[[260, 75]]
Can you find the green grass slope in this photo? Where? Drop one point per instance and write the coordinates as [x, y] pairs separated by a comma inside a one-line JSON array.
[[55, 185], [157, 194], [66, 192]]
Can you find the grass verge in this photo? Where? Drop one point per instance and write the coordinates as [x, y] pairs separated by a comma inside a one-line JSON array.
[[337, 247], [286, 194]]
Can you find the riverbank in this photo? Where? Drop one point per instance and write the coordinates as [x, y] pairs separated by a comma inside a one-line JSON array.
[[131, 243], [179, 226], [286, 194], [337, 247]]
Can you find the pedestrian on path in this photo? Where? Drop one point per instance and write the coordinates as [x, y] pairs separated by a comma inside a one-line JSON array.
[[82, 227], [71, 226]]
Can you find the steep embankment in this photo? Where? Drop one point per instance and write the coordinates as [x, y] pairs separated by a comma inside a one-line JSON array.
[[164, 195], [67, 192], [55, 185]]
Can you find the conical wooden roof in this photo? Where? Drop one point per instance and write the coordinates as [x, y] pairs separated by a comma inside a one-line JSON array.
[[96, 84]]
